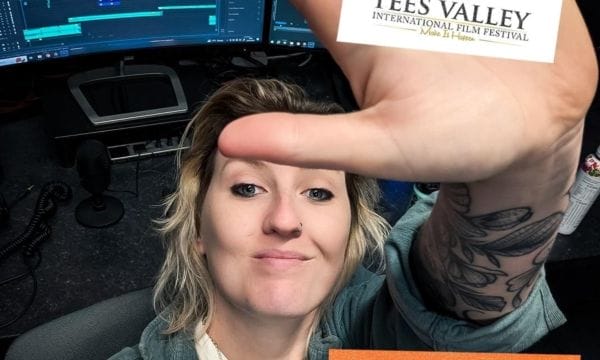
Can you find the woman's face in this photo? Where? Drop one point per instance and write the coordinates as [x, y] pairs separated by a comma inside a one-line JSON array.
[[262, 261]]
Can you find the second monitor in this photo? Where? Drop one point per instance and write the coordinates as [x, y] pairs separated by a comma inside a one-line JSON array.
[[288, 28]]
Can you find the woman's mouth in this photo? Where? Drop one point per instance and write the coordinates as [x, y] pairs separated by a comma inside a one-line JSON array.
[[281, 255], [280, 260]]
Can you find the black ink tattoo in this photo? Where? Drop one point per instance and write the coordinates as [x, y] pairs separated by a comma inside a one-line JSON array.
[[461, 277], [522, 281]]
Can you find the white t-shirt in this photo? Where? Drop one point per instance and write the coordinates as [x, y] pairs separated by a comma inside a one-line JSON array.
[[206, 347]]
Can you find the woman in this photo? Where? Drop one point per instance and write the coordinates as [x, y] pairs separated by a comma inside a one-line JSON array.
[[258, 255], [268, 241]]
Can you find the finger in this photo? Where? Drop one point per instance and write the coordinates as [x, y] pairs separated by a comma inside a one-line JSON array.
[[349, 142], [405, 147]]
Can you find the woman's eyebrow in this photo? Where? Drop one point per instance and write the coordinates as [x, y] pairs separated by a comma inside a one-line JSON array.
[[252, 163]]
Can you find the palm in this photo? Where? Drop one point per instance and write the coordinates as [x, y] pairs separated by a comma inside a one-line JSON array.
[[468, 119]]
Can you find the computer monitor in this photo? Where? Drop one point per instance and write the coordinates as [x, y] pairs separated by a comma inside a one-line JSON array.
[[39, 30], [288, 28]]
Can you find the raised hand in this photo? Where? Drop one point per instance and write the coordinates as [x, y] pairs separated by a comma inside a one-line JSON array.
[[433, 116]]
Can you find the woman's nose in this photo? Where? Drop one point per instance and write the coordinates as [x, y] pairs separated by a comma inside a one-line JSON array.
[[282, 218]]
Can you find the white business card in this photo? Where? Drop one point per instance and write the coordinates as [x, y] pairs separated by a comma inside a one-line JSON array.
[[512, 29]]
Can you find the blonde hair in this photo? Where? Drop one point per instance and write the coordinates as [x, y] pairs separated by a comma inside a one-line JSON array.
[[184, 285]]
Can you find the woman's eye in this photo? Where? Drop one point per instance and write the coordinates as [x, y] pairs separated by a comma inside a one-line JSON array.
[[246, 190], [319, 194]]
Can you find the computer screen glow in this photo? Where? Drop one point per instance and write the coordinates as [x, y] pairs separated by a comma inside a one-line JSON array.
[[37, 30], [288, 28]]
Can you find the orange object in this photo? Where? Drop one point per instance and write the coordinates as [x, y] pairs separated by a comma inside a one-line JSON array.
[[337, 354]]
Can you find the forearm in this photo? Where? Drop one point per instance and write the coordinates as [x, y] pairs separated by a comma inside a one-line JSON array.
[[485, 243]]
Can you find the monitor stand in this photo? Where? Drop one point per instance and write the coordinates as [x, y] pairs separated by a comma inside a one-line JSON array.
[[128, 92]]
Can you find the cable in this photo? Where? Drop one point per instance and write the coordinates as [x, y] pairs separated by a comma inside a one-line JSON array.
[[286, 56], [23, 274], [137, 174], [36, 232], [5, 207], [45, 207], [305, 61], [21, 196], [30, 271]]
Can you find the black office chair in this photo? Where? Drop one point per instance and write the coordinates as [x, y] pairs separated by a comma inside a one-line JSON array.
[[95, 332], [103, 329]]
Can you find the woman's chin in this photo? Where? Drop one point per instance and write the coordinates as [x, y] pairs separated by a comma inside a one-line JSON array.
[[290, 306]]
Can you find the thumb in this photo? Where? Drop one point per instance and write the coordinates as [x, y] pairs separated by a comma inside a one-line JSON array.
[[350, 142]]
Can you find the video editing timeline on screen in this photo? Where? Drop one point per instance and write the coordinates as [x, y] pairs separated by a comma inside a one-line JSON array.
[[35, 30], [289, 28]]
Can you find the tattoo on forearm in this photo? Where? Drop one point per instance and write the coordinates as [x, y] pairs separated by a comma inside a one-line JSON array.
[[520, 282], [461, 278]]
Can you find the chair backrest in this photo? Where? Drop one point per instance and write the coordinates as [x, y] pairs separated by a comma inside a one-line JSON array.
[[95, 332]]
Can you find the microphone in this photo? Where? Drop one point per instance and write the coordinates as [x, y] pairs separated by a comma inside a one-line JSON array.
[[93, 166]]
